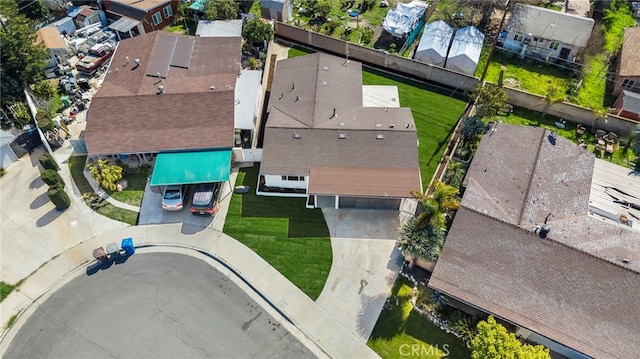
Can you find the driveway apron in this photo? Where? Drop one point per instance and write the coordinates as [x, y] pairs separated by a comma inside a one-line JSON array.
[[365, 266]]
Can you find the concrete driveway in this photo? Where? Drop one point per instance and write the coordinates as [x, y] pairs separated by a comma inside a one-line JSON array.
[[162, 305], [151, 211], [31, 229], [365, 266]]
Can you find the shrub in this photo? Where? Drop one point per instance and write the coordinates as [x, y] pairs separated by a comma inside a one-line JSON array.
[[44, 122], [48, 162], [2, 171], [106, 175], [52, 178], [59, 197], [44, 90]]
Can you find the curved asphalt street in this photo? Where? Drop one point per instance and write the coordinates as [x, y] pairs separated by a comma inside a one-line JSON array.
[[162, 305]]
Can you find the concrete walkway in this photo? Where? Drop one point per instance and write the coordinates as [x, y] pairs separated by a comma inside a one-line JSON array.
[[364, 268], [308, 317]]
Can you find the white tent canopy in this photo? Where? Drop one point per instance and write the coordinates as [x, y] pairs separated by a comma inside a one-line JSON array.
[[404, 18], [465, 50], [434, 43]]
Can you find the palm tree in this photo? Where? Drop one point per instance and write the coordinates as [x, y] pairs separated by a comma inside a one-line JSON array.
[[420, 242], [437, 205]]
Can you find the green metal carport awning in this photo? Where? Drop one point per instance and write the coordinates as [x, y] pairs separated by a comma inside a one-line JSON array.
[[191, 167]]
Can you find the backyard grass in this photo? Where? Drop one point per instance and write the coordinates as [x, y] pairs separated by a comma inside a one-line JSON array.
[[293, 239], [520, 116], [594, 83], [435, 113], [400, 328], [76, 167], [528, 75]]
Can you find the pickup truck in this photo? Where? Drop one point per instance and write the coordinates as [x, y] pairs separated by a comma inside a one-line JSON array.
[[98, 55]]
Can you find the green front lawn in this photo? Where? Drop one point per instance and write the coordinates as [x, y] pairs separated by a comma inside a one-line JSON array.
[[293, 239], [76, 167], [5, 290], [400, 329], [525, 117], [135, 189], [435, 112]]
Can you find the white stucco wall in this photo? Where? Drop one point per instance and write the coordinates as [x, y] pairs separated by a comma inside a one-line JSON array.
[[276, 181]]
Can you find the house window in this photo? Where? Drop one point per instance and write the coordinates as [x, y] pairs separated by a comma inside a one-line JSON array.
[[167, 11], [293, 178], [157, 18], [554, 45], [342, 136], [518, 37], [627, 83], [538, 39]]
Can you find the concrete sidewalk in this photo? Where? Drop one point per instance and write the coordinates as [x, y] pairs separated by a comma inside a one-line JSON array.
[[311, 319]]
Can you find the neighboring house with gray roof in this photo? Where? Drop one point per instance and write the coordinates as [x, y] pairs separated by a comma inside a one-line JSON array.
[[628, 71], [320, 142], [547, 238], [545, 33]]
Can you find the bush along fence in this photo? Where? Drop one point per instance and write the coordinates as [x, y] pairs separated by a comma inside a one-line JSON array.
[[50, 176]]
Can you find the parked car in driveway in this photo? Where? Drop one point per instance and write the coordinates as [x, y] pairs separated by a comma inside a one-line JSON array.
[[173, 197], [205, 199]]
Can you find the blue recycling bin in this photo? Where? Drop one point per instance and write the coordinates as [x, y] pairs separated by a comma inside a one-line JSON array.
[[127, 246]]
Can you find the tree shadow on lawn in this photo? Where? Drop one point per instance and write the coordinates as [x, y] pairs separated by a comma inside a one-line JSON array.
[[303, 222]]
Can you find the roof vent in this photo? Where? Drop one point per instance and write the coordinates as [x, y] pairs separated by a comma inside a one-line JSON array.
[[625, 261], [342, 136], [334, 114], [408, 126], [378, 125], [379, 137], [297, 136], [343, 124], [324, 83], [281, 96], [126, 58], [293, 87], [160, 89], [326, 68], [212, 87], [297, 99], [392, 125], [137, 61]]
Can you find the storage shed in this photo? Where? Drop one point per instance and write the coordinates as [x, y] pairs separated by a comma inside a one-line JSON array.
[[434, 43]]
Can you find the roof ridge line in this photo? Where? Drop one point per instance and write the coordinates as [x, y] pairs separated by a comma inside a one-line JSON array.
[[533, 170], [557, 242], [504, 211]]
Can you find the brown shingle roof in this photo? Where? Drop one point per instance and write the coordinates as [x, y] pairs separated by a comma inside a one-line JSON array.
[[379, 182], [50, 37], [315, 85], [306, 91], [563, 294], [571, 287], [188, 115], [518, 175], [630, 53]]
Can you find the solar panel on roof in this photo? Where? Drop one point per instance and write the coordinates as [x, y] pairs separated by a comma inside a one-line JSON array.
[[162, 55], [182, 53]]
